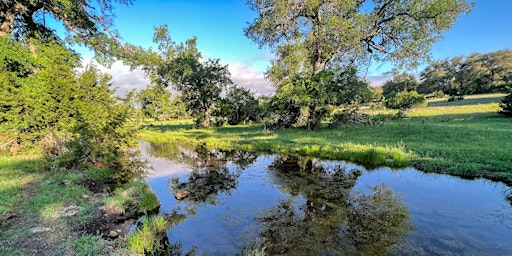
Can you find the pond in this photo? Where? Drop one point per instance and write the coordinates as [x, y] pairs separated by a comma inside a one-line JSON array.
[[287, 205]]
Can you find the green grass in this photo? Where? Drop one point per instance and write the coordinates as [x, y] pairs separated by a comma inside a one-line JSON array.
[[34, 194], [15, 172], [464, 137], [149, 237]]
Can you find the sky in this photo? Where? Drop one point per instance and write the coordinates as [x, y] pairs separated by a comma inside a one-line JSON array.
[[218, 26]]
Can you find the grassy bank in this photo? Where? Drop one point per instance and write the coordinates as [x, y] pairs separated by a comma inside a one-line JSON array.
[[466, 138], [46, 211]]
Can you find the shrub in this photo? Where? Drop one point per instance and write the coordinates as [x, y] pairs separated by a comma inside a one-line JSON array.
[[406, 100], [506, 106]]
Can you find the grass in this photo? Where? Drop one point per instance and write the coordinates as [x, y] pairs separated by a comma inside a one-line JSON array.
[[148, 238], [15, 172], [466, 138], [31, 196]]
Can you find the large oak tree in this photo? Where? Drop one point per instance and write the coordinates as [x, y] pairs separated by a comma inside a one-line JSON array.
[[309, 35]]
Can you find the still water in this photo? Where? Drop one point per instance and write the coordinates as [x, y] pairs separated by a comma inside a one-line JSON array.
[[287, 205]]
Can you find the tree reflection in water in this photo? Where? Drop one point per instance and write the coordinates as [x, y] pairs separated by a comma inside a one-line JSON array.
[[210, 175], [334, 220], [323, 216]]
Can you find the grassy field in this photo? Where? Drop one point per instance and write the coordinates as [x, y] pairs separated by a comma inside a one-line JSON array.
[[466, 138]]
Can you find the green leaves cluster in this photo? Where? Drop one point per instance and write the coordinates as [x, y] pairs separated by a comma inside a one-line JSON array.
[[309, 36], [87, 22], [179, 65], [39, 89], [405, 100], [506, 106], [465, 75], [316, 95], [70, 111], [399, 83], [239, 106]]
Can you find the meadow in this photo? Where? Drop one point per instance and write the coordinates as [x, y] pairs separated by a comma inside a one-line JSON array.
[[465, 138]]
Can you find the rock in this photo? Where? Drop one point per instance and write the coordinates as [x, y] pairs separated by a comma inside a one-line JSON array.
[[113, 234], [71, 210], [129, 192], [66, 182], [181, 194], [35, 230]]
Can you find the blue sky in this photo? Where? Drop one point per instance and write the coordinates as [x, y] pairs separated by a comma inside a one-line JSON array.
[[218, 25]]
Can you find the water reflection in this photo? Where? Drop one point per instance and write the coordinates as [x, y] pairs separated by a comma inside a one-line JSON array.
[[333, 220], [286, 205], [210, 175]]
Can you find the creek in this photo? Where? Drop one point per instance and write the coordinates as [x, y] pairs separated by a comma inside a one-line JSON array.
[[301, 206]]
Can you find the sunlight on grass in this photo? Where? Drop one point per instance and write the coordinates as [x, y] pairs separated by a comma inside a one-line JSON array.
[[464, 137]]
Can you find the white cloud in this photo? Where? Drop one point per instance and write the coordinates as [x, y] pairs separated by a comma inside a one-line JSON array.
[[125, 80], [248, 77]]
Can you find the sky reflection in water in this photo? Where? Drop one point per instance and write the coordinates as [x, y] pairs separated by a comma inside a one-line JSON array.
[[293, 206]]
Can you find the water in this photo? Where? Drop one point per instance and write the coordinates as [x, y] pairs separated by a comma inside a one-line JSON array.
[[295, 206]]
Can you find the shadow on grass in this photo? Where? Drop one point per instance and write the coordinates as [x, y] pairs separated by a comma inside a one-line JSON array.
[[471, 101], [15, 172], [167, 127]]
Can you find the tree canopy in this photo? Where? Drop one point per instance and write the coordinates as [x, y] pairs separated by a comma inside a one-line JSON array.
[[462, 75], [200, 83], [309, 35], [88, 22]]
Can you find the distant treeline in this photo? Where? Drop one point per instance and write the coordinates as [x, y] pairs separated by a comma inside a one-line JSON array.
[[457, 76]]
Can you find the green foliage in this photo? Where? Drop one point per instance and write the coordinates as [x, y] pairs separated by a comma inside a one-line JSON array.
[[506, 106], [155, 102], [150, 237], [199, 83], [308, 36], [465, 75], [239, 106], [74, 116], [405, 100], [101, 128], [39, 89], [87, 22], [376, 93], [399, 83], [315, 95], [148, 201]]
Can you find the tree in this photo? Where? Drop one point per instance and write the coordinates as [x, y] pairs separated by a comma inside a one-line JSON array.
[[179, 65], [313, 96], [87, 22], [239, 106], [39, 88], [400, 83], [476, 73], [309, 35], [506, 106], [155, 102]]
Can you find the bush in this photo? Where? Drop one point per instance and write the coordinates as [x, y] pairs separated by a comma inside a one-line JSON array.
[[506, 106], [406, 100]]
